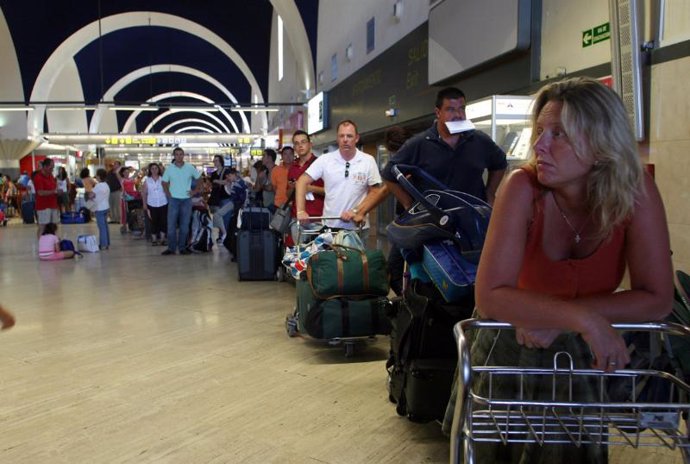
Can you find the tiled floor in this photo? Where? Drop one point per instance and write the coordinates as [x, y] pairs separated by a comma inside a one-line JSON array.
[[126, 356]]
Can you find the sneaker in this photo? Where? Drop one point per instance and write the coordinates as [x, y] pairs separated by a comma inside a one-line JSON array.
[[185, 252], [168, 252], [163, 242], [154, 242], [221, 239]]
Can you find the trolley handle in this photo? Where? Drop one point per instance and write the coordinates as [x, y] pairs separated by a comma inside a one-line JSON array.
[[302, 231], [465, 378]]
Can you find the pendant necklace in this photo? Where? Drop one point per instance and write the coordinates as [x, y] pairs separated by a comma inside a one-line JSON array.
[[578, 236]]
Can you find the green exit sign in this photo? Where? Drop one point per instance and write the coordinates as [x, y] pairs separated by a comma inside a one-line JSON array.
[[596, 34]]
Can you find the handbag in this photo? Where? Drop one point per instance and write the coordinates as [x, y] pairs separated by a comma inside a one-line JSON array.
[[281, 220], [344, 271], [282, 217], [87, 243]]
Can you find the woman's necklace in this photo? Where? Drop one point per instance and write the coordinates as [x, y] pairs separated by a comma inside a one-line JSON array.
[[578, 236]]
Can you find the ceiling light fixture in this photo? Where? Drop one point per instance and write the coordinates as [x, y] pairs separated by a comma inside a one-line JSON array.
[[253, 108], [133, 108], [177, 109], [16, 108], [72, 108]]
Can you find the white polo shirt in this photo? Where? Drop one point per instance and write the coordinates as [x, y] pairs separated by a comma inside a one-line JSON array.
[[344, 192]]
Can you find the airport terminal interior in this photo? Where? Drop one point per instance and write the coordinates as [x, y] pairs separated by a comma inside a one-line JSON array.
[[126, 356]]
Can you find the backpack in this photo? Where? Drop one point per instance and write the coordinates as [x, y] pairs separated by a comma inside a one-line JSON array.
[[67, 245]]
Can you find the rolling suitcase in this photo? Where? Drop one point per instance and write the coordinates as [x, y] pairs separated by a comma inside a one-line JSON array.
[[423, 352], [28, 212], [255, 218], [257, 254]]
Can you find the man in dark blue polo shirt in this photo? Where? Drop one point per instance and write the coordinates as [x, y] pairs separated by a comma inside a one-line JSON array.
[[458, 160]]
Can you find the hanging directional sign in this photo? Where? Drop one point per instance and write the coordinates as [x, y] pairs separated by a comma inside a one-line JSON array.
[[596, 34]]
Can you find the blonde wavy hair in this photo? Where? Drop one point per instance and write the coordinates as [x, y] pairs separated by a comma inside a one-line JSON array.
[[595, 120]]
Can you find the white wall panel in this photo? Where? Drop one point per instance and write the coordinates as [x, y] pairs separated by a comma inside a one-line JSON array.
[[563, 23], [675, 21], [464, 34], [345, 22]]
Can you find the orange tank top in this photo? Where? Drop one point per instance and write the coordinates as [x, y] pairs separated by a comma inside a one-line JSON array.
[[600, 272]]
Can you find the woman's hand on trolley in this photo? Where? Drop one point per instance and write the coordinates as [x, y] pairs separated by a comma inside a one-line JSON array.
[[609, 349]]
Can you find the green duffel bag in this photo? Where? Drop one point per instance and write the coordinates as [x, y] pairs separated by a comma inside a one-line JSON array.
[[341, 317], [348, 272]]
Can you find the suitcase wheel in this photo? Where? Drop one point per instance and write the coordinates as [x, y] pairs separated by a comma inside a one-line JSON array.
[[291, 325], [401, 409]]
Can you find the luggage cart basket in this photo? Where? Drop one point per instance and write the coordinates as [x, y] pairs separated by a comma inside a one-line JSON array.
[[291, 320], [559, 420]]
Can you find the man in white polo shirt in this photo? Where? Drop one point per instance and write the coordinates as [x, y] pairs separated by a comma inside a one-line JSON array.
[[349, 176], [177, 183]]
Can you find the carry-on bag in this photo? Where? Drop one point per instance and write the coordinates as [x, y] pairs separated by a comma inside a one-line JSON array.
[[255, 218], [87, 243], [345, 271], [423, 355], [452, 274], [257, 254], [28, 212], [340, 317], [72, 217]]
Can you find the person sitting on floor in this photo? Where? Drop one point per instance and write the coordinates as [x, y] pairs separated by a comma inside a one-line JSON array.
[[49, 245]]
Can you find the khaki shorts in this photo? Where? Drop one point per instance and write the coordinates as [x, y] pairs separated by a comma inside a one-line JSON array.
[[48, 215]]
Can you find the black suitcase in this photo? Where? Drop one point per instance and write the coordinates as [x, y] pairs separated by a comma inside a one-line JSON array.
[[255, 218], [423, 352], [28, 212], [257, 254]]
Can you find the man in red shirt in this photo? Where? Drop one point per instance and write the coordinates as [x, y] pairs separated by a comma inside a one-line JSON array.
[[46, 195], [315, 191]]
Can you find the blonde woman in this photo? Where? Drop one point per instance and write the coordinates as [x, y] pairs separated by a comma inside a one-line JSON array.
[[563, 231]]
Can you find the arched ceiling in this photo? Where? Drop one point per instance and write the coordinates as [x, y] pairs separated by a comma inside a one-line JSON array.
[[195, 51]]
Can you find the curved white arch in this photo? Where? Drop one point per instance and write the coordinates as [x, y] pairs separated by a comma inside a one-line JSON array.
[[169, 112], [297, 34], [196, 128], [71, 46], [127, 79], [156, 98], [189, 120]]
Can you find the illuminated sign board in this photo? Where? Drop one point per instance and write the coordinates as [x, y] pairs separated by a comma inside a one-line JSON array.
[[145, 140], [317, 113]]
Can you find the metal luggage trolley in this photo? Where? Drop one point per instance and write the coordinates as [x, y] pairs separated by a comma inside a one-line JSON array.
[[291, 321], [480, 419]]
